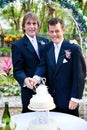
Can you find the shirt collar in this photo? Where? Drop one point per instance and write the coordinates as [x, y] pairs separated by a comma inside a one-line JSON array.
[[30, 38], [59, 44]]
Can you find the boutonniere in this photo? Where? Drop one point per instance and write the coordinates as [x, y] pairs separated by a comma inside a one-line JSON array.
[[42, 42], [68, 54]]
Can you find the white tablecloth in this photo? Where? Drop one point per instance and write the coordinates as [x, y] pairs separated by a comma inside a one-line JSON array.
[[65, 121]]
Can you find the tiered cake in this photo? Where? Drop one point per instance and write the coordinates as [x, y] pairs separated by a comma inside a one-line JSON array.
[[42, 101]]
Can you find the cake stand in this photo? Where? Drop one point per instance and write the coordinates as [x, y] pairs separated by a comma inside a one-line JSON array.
[[43, 116]]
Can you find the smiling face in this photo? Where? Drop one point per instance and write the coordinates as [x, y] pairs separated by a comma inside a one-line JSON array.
[[30, 24], [31, 27], [56, 30], [56, 33]]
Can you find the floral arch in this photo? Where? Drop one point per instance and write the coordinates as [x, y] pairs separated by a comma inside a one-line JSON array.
[[77, 16]]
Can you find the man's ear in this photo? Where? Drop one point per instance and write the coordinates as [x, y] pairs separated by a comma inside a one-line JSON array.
[[64, 30]]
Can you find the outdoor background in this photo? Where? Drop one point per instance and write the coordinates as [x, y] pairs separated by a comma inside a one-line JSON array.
[[74, 14]]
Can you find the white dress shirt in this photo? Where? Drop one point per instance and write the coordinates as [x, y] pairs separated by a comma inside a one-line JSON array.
[[34, 44], [57, 50]]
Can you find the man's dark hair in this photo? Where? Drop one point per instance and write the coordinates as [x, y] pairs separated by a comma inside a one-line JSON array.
[[54, 21]]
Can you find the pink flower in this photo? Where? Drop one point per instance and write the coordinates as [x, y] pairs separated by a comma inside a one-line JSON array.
[[68, 54], [7, 65]]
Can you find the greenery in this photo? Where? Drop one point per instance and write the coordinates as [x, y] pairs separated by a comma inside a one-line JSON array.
[[10, 88], [73, 12], [8, 85], [14, 11], [78, 16], [5, 49]]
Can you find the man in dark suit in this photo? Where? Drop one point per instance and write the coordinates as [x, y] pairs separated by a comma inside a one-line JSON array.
[[26, 53], [65, 69]]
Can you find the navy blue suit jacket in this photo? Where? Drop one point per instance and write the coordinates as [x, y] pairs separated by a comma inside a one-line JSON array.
[[64, 80], [25, 59], [25, 62]]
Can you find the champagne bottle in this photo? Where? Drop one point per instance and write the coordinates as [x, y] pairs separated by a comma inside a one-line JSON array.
[[6, 117], [7, 127]]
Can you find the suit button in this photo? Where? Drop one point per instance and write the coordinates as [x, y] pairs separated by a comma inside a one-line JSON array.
[[54, 91]]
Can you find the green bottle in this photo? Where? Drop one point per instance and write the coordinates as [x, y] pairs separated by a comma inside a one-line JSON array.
[[6, 117], [7, 127]]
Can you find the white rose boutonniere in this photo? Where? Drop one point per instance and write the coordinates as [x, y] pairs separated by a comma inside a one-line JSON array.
[[42, 42]]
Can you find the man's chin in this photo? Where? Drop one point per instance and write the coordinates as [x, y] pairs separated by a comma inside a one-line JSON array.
[[32, 35], [56, 41]]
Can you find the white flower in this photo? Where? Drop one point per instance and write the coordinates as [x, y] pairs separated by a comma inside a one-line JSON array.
[[42, 42], [80, 11], [85, 18]]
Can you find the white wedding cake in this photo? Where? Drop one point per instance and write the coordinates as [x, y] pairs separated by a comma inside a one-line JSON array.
[[42, 100]]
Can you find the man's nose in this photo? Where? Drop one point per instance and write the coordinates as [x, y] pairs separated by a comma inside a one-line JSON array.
[[54, 33], [32, 25]]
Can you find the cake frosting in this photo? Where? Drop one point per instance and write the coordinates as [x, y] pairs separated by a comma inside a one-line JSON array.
[[42, 99]]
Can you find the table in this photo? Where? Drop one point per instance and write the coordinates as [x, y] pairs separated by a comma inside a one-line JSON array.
[[65, 121]]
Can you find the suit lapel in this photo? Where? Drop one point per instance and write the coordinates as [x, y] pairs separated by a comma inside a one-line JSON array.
[[30, 48], [51, 56], [39, 45]]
